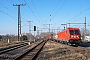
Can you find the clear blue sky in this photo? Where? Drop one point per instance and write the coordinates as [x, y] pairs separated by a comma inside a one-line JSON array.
[[54, 12]]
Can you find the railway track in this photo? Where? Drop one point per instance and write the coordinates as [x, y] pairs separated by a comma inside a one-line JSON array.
[[10, 48], [21, 51], [6, 53], [32, 53]]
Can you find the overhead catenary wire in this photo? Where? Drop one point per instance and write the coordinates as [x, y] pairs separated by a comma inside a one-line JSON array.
[[28, 17], [12, 2], [25, 19], [36, 9], [34, 13], [77, 19], [24, 25], [58, 9], [14, 12], [54, 9], [8, 14], [31, 10], [79, 14], [56, 6], [38, 13], [7, 8], [10, 9], [9, 1]]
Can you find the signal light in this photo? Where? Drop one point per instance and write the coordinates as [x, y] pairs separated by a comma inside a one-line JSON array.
[[34, 28]]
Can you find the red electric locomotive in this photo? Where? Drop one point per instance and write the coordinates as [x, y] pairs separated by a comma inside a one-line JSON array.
[[70, 35]]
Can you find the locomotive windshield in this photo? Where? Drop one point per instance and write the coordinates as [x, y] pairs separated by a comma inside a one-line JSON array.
[[74, 31]]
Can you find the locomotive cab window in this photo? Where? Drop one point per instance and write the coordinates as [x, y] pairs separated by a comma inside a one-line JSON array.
[[74, 31]]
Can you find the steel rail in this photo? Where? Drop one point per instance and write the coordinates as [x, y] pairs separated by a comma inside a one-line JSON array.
[[32, 53]]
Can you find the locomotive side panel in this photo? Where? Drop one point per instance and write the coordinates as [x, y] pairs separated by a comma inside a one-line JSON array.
[[64, 36]]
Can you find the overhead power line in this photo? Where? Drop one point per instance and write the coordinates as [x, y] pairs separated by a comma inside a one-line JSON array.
[[79, 14], [8, 14], [54, 9], [23, 15], [38, 13], [33, 13], [59, 8], [36, 9], [56, 6], [12, 2], [31, 10], [7, 8]]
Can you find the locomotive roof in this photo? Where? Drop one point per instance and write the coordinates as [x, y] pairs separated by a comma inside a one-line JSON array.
[[69, 29], [72, 28]]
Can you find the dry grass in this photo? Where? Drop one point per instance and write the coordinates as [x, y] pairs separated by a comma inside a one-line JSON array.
[[57, 51]]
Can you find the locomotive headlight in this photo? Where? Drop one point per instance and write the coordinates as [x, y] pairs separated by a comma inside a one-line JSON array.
[[71, 36], [78, 36]]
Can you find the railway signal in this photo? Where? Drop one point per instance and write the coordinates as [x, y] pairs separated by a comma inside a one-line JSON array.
[[34, 28]]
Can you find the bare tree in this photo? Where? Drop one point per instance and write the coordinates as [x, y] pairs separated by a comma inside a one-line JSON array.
[[83, 32]]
